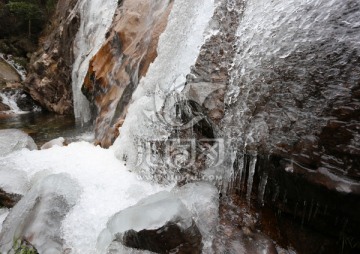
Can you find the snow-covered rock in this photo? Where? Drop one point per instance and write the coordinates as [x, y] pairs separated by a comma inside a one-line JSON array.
[[12, 140], [158, 223], [55, 142], [184, 219], [38, 216]]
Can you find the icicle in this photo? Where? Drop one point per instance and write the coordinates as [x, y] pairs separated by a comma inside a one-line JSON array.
[[252, 167], [262, 187]]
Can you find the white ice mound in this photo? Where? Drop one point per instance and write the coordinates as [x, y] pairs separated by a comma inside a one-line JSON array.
[[193, 208], [12, 180], [38, 216], [55, 142], [107, 186], [13, 140], [150, 213], [3, 213], [202, 200], [187, 23]]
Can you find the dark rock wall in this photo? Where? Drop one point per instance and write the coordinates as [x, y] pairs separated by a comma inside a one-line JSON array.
[[49, 79], [293, 103]]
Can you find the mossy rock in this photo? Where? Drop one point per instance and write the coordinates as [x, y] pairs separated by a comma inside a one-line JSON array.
[[23, 247]]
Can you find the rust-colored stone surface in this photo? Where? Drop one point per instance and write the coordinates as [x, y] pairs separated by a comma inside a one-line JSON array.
[[49, 79], [116, 69]]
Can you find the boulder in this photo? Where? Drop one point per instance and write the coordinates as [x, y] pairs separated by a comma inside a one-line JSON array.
[[160, 223], [8, 199], [184, 220], [55, 142], [13, 140], [49, 80], [110, 84]]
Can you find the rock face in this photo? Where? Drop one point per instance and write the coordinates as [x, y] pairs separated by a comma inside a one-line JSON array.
[[49, 79], [295, 111], [115, 70], [12, 140]]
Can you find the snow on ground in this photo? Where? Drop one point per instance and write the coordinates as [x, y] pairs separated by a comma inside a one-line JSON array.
[[107, 187]]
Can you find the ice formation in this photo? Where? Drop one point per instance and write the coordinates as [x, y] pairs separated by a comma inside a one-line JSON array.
[[106, 187], [12, 140], [202, 200], [3, 213], [187, 23], [150, 213], [38, 216], [95, 20]]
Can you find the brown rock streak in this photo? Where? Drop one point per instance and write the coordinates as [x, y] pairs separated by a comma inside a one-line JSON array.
[[125, 57]]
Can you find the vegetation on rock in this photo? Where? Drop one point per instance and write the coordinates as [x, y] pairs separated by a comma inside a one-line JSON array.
[[23, 247], [22, 21]]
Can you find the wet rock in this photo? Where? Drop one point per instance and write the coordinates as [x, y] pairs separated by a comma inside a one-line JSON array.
[[3, 107], [49, 79], [55, 142], [8, 200], [160, 223], [165, 239], [37, 217], [7, 72], [16, 94], [245, 242], [202, 200], [13, 140]]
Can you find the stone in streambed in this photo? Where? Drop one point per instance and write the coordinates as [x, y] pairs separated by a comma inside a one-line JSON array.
[[55, 142], [13, 140]]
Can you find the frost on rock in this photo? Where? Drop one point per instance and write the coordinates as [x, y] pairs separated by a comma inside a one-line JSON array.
[[202, 200], [152, 222], [187, 23], [13, 140], [55, 142], [12, 180], [3, 213], [38, 216], [95, 18]]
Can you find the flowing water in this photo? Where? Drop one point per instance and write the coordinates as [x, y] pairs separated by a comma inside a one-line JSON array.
[[43, 127]]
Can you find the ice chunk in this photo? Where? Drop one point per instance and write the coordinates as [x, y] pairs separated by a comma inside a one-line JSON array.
[[38, 216], [163, 213], [187, 22], [12, 140], [202, 199], [107, 186], [13, 181], [3, 213], [55, 142]]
